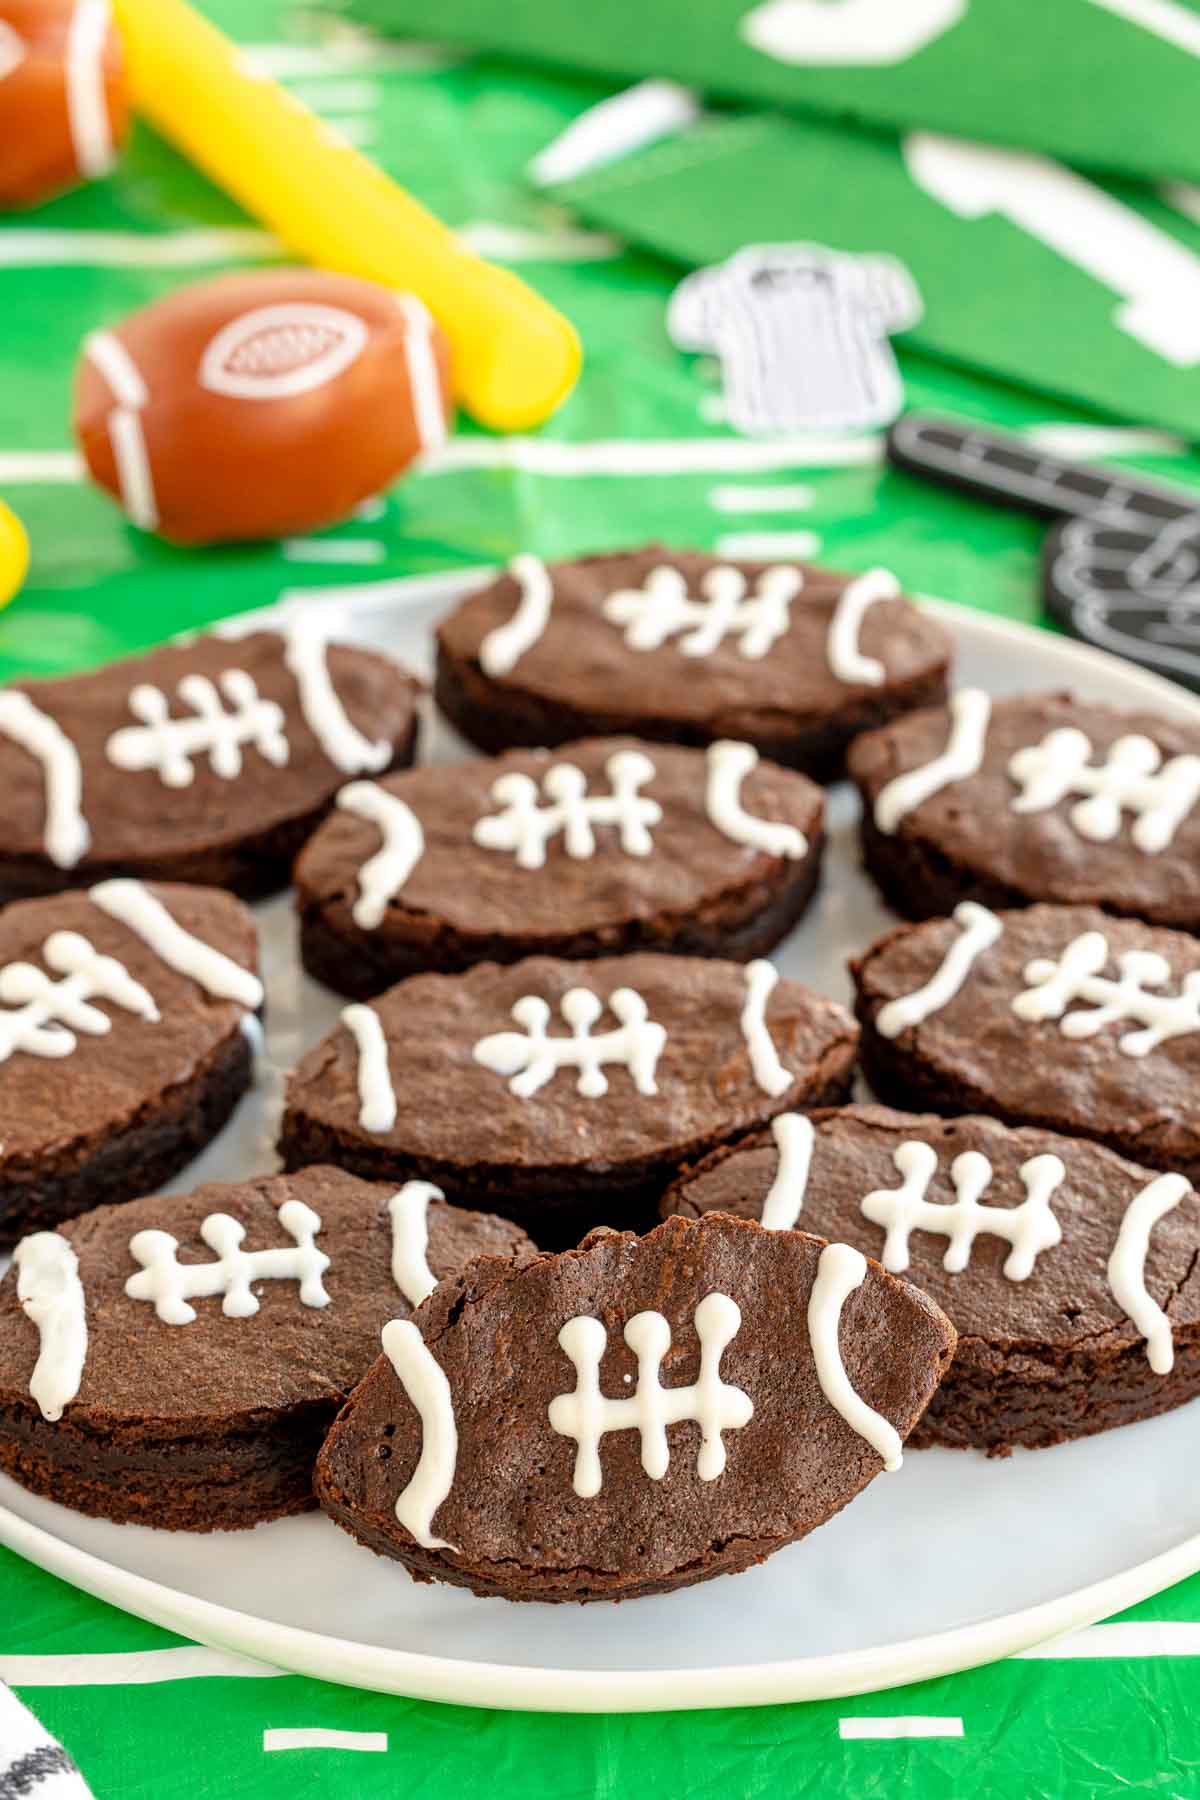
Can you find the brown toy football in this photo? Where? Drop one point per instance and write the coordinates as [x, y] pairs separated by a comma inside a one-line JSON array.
[[254, 406], [64, 99]]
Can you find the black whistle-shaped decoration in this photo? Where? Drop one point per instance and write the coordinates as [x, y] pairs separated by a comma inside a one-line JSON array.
[[1121, 563]]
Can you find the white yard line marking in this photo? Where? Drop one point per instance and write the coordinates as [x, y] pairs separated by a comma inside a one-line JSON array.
[[315, 1737], [36, 466], [517, 243], [787, 497], [129, 1668], [24, 246], [334, 550], [911, 1726], [286, 62], [330, 96], [769, 546], [657, 456], [1137, 1637], [1167, 20], [1087, 441], [351, 128]]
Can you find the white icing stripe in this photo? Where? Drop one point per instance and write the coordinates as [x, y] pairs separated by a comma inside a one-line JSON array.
[[134, 474], [47, 1014], [978, 928], [525, 827], [49, 1290], [662, 609], [840, 1271], [87, 103], [503, 648], [1127, 1267], [425, 389], [1132, 778], [842, 653], [170, 1284], [424, 1381], [409, 1212], [794, 1137], [383, 875], [769, 1072], [65, 835], [970, 710], [345, 746], [532, 1057], [135, 907], [728, 766], [377, 1096], [1029, 1228], [1077, 974], [224, 716]]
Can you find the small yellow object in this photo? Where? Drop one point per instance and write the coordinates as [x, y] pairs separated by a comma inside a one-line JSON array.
[[14, 553], [514, 358]]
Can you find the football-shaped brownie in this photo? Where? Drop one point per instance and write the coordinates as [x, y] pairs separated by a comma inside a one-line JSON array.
[[1069, 1273], [64, 97], [127, 1016], [1059, 1016], [682, 648], [256, 405], [1033, 797], [564, 1095], [208, 761], [177, 1361], [636, 1415], [609, 845]]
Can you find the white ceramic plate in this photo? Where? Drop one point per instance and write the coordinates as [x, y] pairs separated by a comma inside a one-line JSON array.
[[953, 1561]]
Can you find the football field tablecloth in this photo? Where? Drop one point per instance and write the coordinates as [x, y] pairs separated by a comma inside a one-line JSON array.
[[639, 452]]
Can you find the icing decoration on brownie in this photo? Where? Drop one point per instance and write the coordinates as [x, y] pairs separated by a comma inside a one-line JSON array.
[[586, 1415], [1077, 974], [769, 1072], [970, 710], [48, 1013], [131, 396], [424, 1381], [729, 764], [221, 723], [170, 1284], [842, 653], [794, 1137], [383, 875], [376, 1095], [840, 1270], [532, 1057], [1029, 1228], [503, 648], [525, 826], [275, 352], [1127, 1267], [51, 1294], [135, 907], [304, 654], [1132, 778], [978, 928], [663, 609], [66, 835], [409, 1213]]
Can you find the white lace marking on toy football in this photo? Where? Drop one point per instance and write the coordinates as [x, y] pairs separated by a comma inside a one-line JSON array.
[[12, 50], [376, 1095], [503, 648], [840, 1270], [662, 609], [1127, 1267], [525, 826], [135, 477], [970, 710], [170, 1284], [586, 1415], [978, 929], [769, 1072], [87, 102], [1132, 778], [532, 1057], [842, 653], [729, 764], [49, 1013], [383, 875], [51, 1295], [345, 746], [65, 835], [424, 1381], [134, 906], [409, 1212], [1029, 1228], [168, 746], [1054, 982], [276, 352], [424, 386], [794, 1139]]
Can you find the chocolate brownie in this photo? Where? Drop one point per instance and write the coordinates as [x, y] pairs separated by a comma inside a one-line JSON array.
[[1059, 1016], [635, 1415], [1030, 1241], [209, 760], [564, 1095], [1043, 797], [177, 1361], [126, 1019], [683, 648], [607, 846]]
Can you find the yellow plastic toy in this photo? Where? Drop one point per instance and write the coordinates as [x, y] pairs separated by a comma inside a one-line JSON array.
[[515, 359], [14, 553]]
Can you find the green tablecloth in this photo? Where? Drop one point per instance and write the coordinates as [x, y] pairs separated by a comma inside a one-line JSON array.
[[636, 453]]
